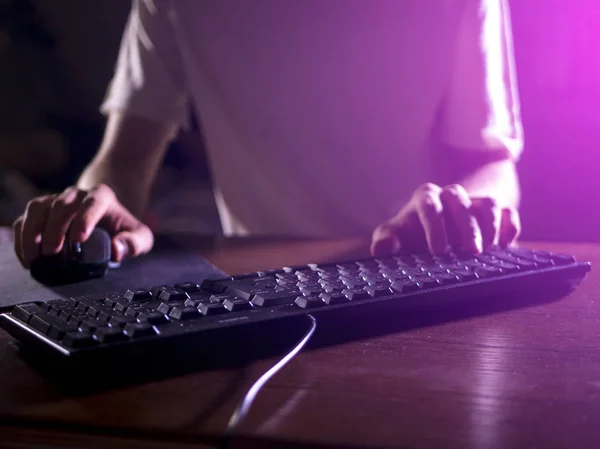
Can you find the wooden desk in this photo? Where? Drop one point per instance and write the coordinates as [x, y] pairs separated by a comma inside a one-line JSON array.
[[527, 378]]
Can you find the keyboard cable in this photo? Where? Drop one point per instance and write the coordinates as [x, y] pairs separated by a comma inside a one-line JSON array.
[[244, 406]]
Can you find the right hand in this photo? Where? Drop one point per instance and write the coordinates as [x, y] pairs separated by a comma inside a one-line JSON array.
[[48, 219]]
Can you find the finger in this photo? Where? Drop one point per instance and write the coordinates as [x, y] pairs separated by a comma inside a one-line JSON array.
[[510, 227], [458, 217], [384, 242], [488, 215], [132, 243], [34, 221], [93, 207], [18, 239], [63, 209], [430, 211]]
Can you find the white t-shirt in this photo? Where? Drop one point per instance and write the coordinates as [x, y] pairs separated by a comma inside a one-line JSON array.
[[320, 115]]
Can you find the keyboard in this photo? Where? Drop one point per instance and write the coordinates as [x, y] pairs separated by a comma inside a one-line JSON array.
[[145, 319]]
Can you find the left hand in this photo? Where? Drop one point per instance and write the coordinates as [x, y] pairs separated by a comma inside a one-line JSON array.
[[437, 219]]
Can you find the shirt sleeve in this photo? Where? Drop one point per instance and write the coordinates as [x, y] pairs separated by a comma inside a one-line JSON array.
[[148, 80], [481, 110]]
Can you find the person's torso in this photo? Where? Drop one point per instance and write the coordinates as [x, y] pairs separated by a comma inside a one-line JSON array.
[[317, 114]]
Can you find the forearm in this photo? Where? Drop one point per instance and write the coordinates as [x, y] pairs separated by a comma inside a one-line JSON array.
[[128, 160]]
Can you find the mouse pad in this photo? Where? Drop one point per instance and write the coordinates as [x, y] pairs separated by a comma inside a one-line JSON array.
[[167, 263]]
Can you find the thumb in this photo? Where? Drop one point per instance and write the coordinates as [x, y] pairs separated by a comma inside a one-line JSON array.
[[385, 241], [132, 243]]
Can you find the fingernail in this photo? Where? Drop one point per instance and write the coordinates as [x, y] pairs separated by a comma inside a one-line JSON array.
[[479, 244], [386, 245], [121, 250]]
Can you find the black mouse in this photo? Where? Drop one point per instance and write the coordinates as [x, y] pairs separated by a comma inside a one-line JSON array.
[[76, 262]]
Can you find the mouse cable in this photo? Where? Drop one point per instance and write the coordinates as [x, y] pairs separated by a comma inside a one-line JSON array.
[[244, 407]]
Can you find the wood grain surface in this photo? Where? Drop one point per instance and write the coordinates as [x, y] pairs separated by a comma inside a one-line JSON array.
[[517, 378]]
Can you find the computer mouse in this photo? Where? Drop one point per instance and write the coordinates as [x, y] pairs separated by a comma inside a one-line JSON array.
[[76, 262]]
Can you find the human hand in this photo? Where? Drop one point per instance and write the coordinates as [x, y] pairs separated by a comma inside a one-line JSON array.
[[74, 213], [437, 218]]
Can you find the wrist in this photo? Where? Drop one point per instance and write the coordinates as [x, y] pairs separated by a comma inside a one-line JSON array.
[[124, 181]]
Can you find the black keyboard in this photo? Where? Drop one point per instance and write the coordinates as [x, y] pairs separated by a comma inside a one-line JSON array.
[[168, 317]]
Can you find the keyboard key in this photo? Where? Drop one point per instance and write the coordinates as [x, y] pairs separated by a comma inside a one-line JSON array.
[[184, 313], [165, 307], [375, 280], [56, 303], [213, 308], [106, 315], [138, 295], [58, 330], [487, 271], [378, 291], [265, 283], [72, 302], [157, 290], [218, 285], [188, 287], [77, 317], [350, 266], [109, 334], [465, 275], [447, 278], [308, 291], [287, 277], [43, 322], [355, 294], [426, 281], [508, 267], [121, 306], [152, 318], [272, 298], [221, 297], [237, 305], [542, 262], [334, 298], [523, 264], [90, 324], [368, 264], [521, 252], [121, 320], [24, 312], [78, 339], [563, 259], [329, 288], [95, 310], [309, 302], [488, 259], [110, 302], [136, 330], [136, 309], [54, 311], [102, 317], [353, 282], [406, 286], [391, 276], [82, 307], [243, 291], [172, 294]]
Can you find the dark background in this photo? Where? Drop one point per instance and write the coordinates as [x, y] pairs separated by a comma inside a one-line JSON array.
[[557, 46]]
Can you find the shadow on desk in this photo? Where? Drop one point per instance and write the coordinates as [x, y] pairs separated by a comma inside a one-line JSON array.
[[235, 348]]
